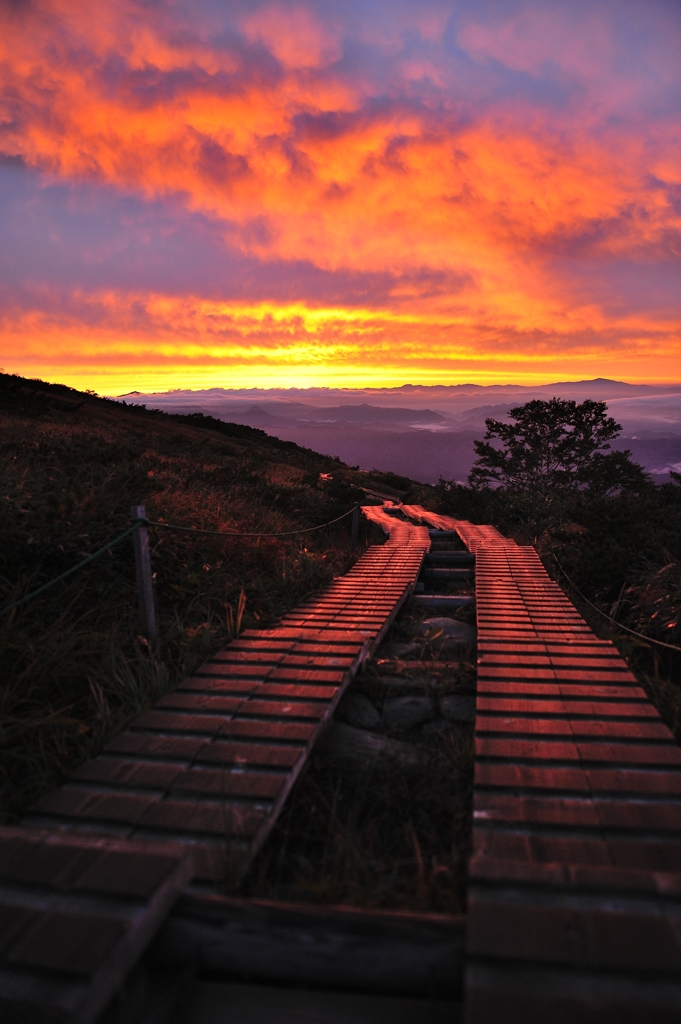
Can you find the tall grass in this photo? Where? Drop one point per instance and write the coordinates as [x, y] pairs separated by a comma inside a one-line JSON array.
[[389, 836]]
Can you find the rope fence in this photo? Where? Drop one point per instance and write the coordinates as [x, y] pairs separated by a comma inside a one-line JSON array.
[[145, 584], [618, 625], [230, 533]]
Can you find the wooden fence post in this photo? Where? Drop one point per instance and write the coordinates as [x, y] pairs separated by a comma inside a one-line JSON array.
[[355, 526], [145, 580]]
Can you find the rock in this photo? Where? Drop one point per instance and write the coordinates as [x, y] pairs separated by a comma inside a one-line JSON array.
[[360, 749], [357, 710], [444, 728], [406, 712], [395, 649], [450, 651], [451, 631], [458, 708], [392, 685]]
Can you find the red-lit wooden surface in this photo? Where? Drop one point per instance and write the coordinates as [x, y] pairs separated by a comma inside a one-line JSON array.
[[76, 913], [212, 763], [575, 878]]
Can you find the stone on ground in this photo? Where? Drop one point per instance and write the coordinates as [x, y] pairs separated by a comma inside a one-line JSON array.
[[458, 708], [451, 631], [361, 749], [392, 685], [357, 710], [406, 712], [395, 649]]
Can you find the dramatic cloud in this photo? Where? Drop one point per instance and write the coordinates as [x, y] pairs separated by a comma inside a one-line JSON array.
[[318, 191]]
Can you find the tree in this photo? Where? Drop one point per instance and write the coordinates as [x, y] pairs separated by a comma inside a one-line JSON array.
[[555, 444]]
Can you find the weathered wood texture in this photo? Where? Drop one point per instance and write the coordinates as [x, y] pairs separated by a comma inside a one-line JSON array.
[[575, 893], [213, 762], [337, 948], [444, 602], [575, 898], [76, 912], [231, 1002]]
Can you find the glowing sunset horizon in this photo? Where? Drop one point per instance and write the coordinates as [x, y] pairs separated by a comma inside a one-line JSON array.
[[310, 194]]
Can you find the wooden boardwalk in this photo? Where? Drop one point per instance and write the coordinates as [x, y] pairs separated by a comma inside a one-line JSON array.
[[189, 791], [213, 762], [76, 914], [473, 536], [575, 896]]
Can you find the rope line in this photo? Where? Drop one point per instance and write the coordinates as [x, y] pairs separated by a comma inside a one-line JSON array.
[[230, 533], [75, 568], [165, 526], [642, 636]]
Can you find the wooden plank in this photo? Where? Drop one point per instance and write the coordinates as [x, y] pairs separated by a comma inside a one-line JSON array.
[[584, 812], [77, 912], [259, 755], [268, 730], [570, 691], [334, 948], [250, 785], [576, 727], [621, 754], [119, 772], [154, 745], [597, 938], [523, 777], [211, 764], [566, 707]]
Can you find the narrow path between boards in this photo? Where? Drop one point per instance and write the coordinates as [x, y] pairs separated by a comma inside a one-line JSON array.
[[381, 817]]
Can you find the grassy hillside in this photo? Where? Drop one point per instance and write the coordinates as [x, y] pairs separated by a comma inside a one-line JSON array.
[[75, 667]]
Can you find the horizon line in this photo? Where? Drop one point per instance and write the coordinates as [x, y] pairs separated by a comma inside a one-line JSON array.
[[402, 387]]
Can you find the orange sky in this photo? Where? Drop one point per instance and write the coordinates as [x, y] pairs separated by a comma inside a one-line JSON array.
[[343, 194]]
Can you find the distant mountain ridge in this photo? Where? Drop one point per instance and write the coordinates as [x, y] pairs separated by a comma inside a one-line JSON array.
[[604, 386], [432, 433]]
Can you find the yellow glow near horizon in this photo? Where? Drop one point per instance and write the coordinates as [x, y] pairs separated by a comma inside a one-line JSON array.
[[193, 343], [114, 382]]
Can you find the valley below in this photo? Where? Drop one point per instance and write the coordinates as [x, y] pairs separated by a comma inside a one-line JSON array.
[[428, 432]]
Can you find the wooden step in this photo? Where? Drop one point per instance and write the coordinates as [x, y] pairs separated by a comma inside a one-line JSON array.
[[216, 1002], [441, 601], [462, 576], [337, 948], [463, 559], [77, 912]]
